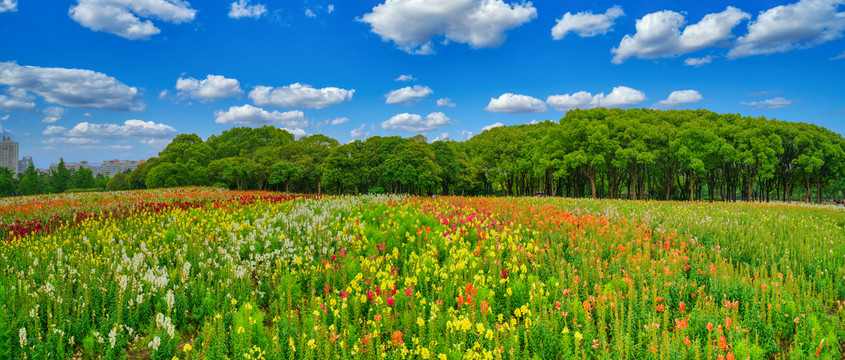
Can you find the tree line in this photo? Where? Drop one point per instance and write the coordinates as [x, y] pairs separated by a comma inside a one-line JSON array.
[[598, 153], [59, 180]]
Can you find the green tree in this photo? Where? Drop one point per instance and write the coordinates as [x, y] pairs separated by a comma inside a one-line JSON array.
[[60, 178], [7, 182], [30, 183], [117, 182], [83, 179]]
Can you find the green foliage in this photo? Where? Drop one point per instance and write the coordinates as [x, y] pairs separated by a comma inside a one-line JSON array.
[[598, 153], [31, 183]]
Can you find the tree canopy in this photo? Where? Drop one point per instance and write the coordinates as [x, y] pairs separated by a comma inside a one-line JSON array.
[[607, 153]]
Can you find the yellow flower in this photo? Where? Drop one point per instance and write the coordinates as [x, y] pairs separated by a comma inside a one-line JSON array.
[[312, 344], [241, 330], [578, 336], [234, 302], [187, 348], [441, 357]]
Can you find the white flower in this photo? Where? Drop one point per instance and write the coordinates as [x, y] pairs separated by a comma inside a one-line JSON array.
[[22, 335], [155, 343]]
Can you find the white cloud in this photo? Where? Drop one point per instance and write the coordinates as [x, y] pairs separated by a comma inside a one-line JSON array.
[[620, 97], [242, 9], [680, 97], [492, 126], [415, 123], [54, 130], [214, 87], [72, 87], [443, 136], [359, 132], [159, 144], [465, 135], [53, 114], [586, 24], [412, 24], [123, 17], [299, 95], [515, 104], [163, 94], [405, 77], [69, 141], [698, 61], [763, 93], [8, 5], [838, 57], [330, 9], [659, 36], [18, 99], [338, 121], [408, 94], [310, 13], [774, 103], [445, 102], [4, 118], [251, 115], [783, 28], [87, 114], [129, 128]]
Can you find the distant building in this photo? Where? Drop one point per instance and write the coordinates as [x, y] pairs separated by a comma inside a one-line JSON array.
[[9, 154], [108, 167], [24, 162]]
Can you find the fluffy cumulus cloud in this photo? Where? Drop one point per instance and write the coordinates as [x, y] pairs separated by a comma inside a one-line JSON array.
[[338, 121], [52, 114], [413, 24], [124, 17], [130, 128], [680, 97], [800, 25], [416, 123], [54, 130], [620, 97], [16, 100], [214, 87], [586, 24], [405, 77], [492, 126], [359, 132], [72, 87], [408, 94], [698, 61], [445, 102], [253, 116], [242, 9], [299, 95], [516, 104], [774, 103], [8, 5], [659, 34]]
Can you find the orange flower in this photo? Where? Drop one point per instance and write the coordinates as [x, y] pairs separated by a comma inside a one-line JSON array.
[[397, 338]]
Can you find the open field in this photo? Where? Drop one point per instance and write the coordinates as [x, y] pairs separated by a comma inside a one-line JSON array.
[[199, 273]]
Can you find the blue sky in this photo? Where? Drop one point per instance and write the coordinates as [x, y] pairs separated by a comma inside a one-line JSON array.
[[103, 79]]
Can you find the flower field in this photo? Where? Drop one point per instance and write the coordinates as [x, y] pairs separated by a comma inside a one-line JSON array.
[[205, 274]]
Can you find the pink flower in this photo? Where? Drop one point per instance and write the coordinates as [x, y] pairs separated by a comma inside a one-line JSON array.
[[390, 301]]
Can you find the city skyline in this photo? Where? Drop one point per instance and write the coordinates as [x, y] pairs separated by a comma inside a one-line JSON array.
[[350, 70]]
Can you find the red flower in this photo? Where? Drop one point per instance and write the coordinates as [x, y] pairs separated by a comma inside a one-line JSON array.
[[504, 273], [390, 301]]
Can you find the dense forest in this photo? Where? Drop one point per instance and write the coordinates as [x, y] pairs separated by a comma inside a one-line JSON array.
[[607, 153]]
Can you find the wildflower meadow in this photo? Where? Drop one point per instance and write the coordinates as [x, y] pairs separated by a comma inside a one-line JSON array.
[[200, 273]]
